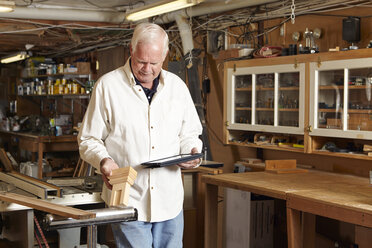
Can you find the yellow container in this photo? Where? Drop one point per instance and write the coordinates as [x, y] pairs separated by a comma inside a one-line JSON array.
[[76, 88], [58, 89]]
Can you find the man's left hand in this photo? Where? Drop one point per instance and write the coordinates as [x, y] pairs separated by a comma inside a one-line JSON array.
[[192, 163]]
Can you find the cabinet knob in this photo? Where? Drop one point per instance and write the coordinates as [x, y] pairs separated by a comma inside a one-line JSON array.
[[309, 128], [227, 123]]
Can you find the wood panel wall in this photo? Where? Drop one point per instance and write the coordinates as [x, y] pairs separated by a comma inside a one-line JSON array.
[[331, 25]]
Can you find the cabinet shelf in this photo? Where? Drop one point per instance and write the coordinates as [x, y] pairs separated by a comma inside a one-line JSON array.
[[260, 88], [81, 75], [264, 109], [289, 88], [244, 89], [350, 87], [267, 146], [67, 96], [343, 155], [243, 108], [288, 109]]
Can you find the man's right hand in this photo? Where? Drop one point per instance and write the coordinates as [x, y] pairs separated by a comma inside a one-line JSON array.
[[107, 166]]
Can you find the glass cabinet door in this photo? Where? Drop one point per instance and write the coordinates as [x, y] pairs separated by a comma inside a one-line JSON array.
[[359, 113], [289, 99], [266, 98], [341, 100], [330, 99], [243, 99]]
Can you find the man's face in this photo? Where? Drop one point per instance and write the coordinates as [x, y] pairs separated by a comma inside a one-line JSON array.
[[147, 61]]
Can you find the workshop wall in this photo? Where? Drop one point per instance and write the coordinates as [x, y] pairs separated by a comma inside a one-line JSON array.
[[330, 24]]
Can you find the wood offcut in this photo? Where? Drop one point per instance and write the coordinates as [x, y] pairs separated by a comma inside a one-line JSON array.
[[46, 206], [282, 166], [121, 180]]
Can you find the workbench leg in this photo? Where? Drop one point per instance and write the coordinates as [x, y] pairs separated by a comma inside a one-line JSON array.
[[211, 216], [40, 161], [19, 228], [294, 228], [92, 236], [200, 206], [308, 230]]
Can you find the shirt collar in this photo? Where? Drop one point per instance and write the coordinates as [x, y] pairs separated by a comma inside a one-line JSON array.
[[155, 82]]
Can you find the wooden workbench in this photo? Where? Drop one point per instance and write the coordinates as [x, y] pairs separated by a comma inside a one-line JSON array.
[[39, 144], [342, 197]]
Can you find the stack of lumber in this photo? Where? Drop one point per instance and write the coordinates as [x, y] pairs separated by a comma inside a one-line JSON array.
[[121, 180]]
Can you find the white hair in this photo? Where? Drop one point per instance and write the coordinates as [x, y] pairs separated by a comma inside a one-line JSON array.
[[147, 33]]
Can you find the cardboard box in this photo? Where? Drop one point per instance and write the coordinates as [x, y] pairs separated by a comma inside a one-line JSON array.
[[83, 67]]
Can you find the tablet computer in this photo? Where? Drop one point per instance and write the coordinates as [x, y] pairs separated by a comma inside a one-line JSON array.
[[172, 160]]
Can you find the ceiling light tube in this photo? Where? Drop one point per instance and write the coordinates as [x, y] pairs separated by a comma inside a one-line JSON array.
[[7, 6], [159, 8], [14, 58]]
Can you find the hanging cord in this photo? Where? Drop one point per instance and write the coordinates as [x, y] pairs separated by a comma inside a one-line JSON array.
[[41, 232], [293, 16], [190, 57], [38, 239]]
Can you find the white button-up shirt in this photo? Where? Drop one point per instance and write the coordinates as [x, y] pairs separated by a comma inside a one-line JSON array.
[[121, 124]]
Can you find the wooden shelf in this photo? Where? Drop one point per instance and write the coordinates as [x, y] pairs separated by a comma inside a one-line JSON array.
[[289, 88], [80, 96], [243, 108], [244, 89], [288, 110], [264, 109], [58, 75], [343, 155], [268, 146], [350, 87]]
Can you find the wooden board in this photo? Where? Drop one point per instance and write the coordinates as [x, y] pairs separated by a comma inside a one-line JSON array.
[[38, 182], [5, 160], [26, 186], [283, 166], [283, 171], [280, 164], [45, 206]]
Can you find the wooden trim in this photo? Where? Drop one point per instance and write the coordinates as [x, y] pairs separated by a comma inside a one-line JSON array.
[[5, 160], [294, 228], [47, 186], [26, 186], [211, 216], [330, 210], [45, 206]]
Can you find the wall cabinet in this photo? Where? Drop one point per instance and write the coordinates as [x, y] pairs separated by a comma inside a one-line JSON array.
[[320, 103], [265, 103], [341, 98]]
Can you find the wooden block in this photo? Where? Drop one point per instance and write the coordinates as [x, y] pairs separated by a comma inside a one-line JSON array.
[[367, 148], [252, 160], [120, 194], [287, 171], [280, 164], [121, 181], [45, 206], [128, 170], [5, 160]]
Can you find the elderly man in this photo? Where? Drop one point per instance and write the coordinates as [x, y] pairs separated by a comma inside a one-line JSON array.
[[140, 112]]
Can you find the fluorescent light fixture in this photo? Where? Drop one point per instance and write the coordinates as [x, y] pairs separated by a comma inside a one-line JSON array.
[[159, 8], [7, 6], [14, 57]]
